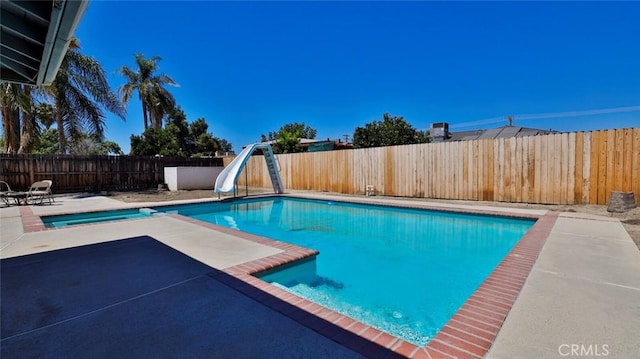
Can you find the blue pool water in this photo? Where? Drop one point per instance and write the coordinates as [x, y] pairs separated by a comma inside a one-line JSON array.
[[403, 271], [95, 217]]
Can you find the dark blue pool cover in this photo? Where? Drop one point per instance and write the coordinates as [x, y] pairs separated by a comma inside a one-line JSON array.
[[138, 298]]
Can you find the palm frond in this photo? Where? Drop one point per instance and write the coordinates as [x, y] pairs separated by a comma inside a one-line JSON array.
[[164, 80], [13, 96], [86, 115], [86, 74]]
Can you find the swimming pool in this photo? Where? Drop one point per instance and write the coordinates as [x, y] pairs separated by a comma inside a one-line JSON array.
[[403, 271]]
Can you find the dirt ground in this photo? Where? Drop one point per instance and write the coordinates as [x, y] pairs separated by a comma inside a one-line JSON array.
[[630, 219]]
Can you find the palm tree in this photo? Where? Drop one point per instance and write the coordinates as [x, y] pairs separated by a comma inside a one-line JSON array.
[[30, 127], [162, 103], [21, 116], [156, 99], [12, 100], [80, 92], [45, 113]]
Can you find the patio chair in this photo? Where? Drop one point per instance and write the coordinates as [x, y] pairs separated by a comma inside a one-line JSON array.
[[5, 190], [39, 191], [51, 198]]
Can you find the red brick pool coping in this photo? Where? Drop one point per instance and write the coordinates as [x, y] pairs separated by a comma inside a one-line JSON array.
[[30, 222], [468, 334]]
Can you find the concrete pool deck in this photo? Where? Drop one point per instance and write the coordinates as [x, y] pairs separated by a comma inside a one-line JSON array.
[[581, 296]]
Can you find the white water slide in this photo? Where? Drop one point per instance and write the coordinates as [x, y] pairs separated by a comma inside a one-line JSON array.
[[226, 181]]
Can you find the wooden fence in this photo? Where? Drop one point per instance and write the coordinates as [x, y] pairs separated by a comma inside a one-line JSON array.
[[91, 173], [565, 168]]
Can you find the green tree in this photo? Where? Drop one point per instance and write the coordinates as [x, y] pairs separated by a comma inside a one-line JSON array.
[[178, 138], [206, 145], [224, 145], [287, 138], [203, 142], [391, 131], [47, 142], [156, 100], [81, 93], [178, 126], [85, 144], [154, 141], [89, 144]]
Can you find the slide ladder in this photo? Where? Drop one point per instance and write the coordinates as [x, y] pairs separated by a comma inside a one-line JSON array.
[[274, 171], [227, 179]]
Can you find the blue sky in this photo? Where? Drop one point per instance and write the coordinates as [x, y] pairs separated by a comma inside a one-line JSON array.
[[250, 67]]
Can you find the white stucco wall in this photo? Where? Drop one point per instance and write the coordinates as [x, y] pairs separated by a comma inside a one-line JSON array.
[[178, 178]]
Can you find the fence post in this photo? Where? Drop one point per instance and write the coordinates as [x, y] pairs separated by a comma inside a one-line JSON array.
[[99, 173], [32, 177]]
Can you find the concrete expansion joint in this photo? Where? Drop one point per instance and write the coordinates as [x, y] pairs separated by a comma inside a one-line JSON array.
[[569, 276], [11, 242], [589, 236]]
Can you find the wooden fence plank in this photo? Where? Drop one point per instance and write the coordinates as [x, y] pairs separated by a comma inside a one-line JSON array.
[[537, 178], [499, 168], [627, 144], [472, 150], [528, 152], [602, 167], [564, 168], [434, 173], [446, 170], [509, 169], [571, 170], [518, 184], [594, 158], [578, 168], [618, 161], [557, 167], [545, 175], [586, 168], [483, 176], [610, 165]]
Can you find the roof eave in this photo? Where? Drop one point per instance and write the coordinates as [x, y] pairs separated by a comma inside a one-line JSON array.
[[65, 17]]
